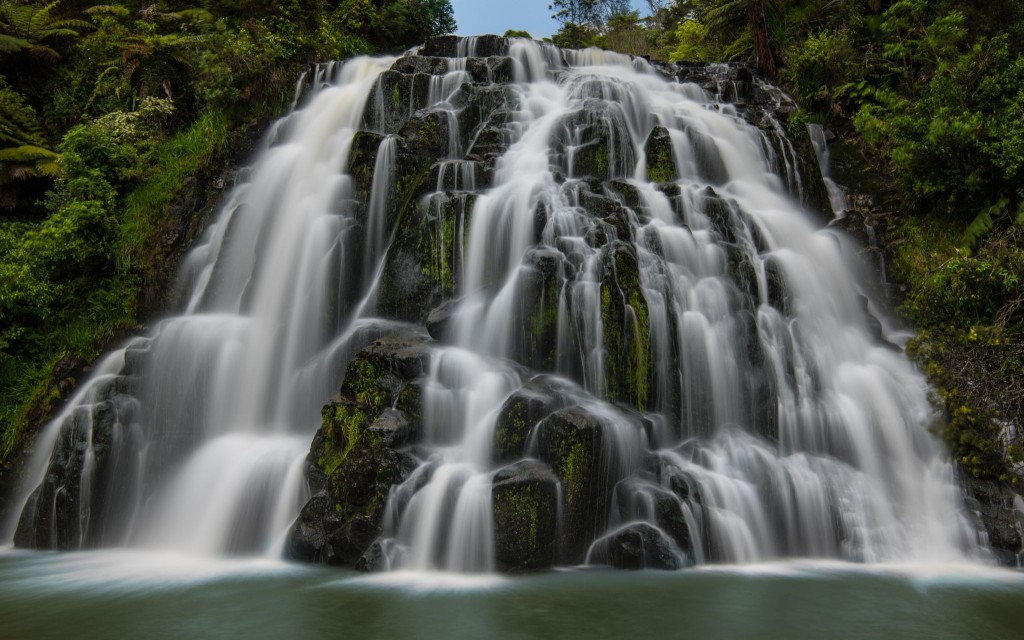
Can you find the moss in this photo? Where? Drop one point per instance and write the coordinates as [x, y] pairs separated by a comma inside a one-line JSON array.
[[626, 323], [343, 427], [520, 510], [396, 97], [576, 468], [511, 430], [601, 158], [362, 379], [661, 165], [544, 326]]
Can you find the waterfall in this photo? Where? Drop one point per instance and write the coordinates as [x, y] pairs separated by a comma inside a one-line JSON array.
[[645, 350]]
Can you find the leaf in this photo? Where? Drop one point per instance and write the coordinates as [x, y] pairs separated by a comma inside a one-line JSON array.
[[982, 224]]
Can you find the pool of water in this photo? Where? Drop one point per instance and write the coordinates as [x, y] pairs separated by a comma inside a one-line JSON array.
[[152, 596]]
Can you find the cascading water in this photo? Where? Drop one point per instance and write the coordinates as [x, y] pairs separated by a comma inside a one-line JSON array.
[[650, 354]]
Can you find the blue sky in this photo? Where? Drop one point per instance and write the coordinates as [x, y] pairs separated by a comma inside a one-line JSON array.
[[476, 17]]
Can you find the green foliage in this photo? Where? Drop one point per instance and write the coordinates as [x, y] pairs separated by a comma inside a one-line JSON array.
[[517, 33], [36, 29]]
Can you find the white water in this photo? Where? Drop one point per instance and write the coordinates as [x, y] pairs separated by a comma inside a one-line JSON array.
[[801, 435]]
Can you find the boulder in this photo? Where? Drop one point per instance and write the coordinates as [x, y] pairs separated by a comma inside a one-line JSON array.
[[636, 546], [571, 442], [359, 452], [661, 164], [624, 316], [522, 411], [525, 503]]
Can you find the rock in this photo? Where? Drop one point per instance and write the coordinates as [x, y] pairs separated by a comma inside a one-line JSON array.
[[994, 505], [661, 164], [637, 546], [525, 503], [357, 455], [392, 427], [347, 544], [440, 318], [522, 411], [624, 314], [571, 442], [638, 499]]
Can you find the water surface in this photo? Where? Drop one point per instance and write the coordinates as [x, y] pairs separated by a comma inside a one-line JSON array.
[[136, 595]]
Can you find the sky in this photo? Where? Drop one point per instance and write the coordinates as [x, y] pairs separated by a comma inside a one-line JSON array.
[[477, 17]]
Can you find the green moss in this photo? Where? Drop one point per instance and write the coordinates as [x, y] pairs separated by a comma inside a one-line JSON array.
[[511, 430], [396, 96], [626, 324], [343, 427], [520, 510], [602, 157], [661, 165], [362, 379], [575, 470]]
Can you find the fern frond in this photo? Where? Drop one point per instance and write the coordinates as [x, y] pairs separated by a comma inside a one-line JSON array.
[[982, 224]]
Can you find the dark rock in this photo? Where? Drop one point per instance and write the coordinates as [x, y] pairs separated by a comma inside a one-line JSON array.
[[346, 544], [441, 46], [525, 502], [571, 441], [392, 427], [994, 505], [356, 456], [637, 546], [661, 164], [440, 318], [625, 317], [522, 411]]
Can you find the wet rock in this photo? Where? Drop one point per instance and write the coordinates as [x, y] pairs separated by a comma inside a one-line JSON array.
[[778, 293], [661, 164], [571, 442], [477, 46], [995, 506], [358, 453], [638, 546], [392, 426], [624, 315], [440, 319], [522, 411], [535, 316], [430, 65], [525, 503], [362, 158]]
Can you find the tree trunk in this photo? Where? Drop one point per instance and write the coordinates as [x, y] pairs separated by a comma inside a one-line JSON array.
[[765, 56]]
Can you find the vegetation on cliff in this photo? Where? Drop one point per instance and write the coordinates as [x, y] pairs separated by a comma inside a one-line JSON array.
[[110, 115]]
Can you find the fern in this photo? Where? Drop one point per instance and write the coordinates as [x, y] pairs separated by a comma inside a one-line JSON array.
[[982, 224], [30, 28]]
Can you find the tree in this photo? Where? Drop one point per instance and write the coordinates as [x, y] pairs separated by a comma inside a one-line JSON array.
[[33, 29], [576, 12], [755, 17]]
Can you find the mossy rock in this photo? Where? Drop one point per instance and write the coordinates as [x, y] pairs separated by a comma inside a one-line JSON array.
[[362, 157], [535, 317], [424, 263], [593, 142], [625, 318], [524, 498], [359, 452], [661, 164], [521, 413], [571, 442]]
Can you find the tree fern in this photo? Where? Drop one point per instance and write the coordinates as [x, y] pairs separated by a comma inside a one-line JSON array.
[[32, 28]]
